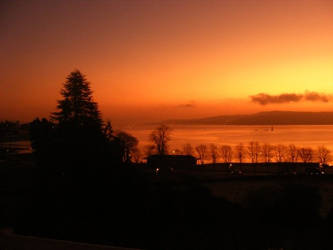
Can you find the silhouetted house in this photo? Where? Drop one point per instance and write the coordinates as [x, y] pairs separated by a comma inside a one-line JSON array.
[[171, 162]]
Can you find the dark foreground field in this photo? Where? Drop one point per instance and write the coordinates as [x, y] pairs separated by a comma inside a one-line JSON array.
[[200, 209]]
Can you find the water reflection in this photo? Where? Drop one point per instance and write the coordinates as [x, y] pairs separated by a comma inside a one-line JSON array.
[[300, 135]]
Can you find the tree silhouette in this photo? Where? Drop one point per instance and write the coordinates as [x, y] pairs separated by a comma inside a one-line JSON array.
[[202, 152], [160, 137], [78, 135], [305, 154], [323, 154], [77, 106], [267, 152], [292, 153], [240, 152], [280, 152], [213, 152], [226, 153], [254, 151], [128, 145], [136, 155]]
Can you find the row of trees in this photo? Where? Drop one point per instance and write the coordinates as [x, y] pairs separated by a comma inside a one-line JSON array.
[[77, 131], [255, 153]]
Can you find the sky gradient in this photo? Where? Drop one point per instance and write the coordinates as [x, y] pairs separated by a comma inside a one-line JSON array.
[[151, 60]]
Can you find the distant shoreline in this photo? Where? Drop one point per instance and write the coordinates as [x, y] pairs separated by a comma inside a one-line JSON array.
[[270, 118]]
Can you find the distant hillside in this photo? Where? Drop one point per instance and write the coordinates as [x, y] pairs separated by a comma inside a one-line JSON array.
[[263, 118]]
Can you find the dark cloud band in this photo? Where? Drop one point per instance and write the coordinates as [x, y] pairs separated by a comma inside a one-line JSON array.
[[264, 99]]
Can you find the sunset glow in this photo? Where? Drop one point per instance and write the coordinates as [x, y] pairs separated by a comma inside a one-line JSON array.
[[166, 124], [153, 60]]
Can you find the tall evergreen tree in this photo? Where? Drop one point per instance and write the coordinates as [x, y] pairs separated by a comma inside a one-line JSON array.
[[77, 107], [79, 127], [76, 135]]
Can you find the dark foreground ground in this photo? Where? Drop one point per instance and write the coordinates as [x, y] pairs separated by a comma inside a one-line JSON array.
[[131, 207], [18, 242]]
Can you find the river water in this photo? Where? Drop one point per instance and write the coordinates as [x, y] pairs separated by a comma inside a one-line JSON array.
[[300, 135]]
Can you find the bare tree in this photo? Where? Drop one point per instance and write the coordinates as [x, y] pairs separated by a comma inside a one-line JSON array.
[[160, 137], [267, 152], [226, 153], [305, 154], [323, 154], [280, 152], [128, 144], [188, 149], [202, 152], [213, 152], [253, 151], [136, 155], [240, 152], [292, 153]]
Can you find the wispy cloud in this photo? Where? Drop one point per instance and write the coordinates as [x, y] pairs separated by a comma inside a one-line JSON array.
[[186, 105], [265, 99]]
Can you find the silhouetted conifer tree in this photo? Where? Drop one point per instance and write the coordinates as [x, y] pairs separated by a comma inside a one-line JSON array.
[[77, 106], [80, 127], [76, 135], [81, 139]]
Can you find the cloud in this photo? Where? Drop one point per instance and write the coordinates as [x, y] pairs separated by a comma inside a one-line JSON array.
[[187, 105], [264, 99], [316, 97]]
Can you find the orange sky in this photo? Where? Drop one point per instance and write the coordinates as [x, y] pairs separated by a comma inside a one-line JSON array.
[[151, 60]]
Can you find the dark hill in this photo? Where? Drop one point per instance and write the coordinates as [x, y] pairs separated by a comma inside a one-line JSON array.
[[263, 118]]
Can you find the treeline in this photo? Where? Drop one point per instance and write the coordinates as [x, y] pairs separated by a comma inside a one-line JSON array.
[[77, 131], [255, 152], [13, 131]]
